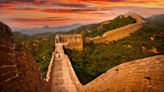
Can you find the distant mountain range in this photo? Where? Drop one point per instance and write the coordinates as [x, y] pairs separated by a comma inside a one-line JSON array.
[[46, 29], [156, 20], [93, 29]]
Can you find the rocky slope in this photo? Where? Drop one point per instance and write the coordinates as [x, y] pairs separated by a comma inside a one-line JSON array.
[[18, 70]]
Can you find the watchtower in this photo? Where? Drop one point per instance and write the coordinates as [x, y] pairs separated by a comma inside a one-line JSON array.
[[70, 41]]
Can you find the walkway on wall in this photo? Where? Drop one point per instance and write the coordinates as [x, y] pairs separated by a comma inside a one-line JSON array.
[[61, 78], [119, 33], [142, 75]]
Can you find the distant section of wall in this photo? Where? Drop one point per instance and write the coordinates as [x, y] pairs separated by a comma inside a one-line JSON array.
[[142, 75], [138, 18], [70, 41], [116, 34], [119, 33]]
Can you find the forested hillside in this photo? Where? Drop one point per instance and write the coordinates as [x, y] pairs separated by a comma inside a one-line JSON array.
[[98, 58], [156, 20], [99, 29]]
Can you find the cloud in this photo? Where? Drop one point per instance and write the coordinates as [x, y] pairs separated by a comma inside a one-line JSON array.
[[121, 0], [69, 10], [25, 9], [104, 0], [8, 5], [73, 5], [47, 19], [17, 0], [40, 12]]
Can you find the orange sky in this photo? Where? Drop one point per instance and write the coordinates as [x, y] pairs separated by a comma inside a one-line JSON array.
[[39, 13]]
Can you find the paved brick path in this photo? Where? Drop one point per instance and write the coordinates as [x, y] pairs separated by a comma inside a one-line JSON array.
[[61, 80]]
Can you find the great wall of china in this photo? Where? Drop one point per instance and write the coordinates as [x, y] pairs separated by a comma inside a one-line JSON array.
[[119, 33], [143, 75], [19, 71]]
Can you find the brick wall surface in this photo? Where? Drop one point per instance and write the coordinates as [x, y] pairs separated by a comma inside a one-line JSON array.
[[70, 41], [18, 70], [142, 75]]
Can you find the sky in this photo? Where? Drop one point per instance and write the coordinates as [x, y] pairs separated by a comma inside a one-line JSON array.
[[53, 13]]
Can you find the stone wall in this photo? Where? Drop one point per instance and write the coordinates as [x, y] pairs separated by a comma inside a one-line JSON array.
[[75, 79], [50, 70], [119, 33], [18, 70], [116, 34], [70, 41], [63, 79], [142, 75]]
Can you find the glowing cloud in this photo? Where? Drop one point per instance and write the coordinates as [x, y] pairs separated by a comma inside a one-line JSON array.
[[38, 13]]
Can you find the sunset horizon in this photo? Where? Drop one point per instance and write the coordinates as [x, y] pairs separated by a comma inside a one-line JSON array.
[[40, 13]]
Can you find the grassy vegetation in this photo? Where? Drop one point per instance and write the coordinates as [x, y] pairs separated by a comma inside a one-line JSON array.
[[41, 46], [99, 29], [98, 58]]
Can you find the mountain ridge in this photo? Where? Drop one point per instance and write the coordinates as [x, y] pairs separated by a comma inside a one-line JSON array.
[[44, 29], [94, 30], [156, 20]]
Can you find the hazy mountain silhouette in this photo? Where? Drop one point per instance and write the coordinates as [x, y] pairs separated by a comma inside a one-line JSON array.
[[44, 29], [156, 20]]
